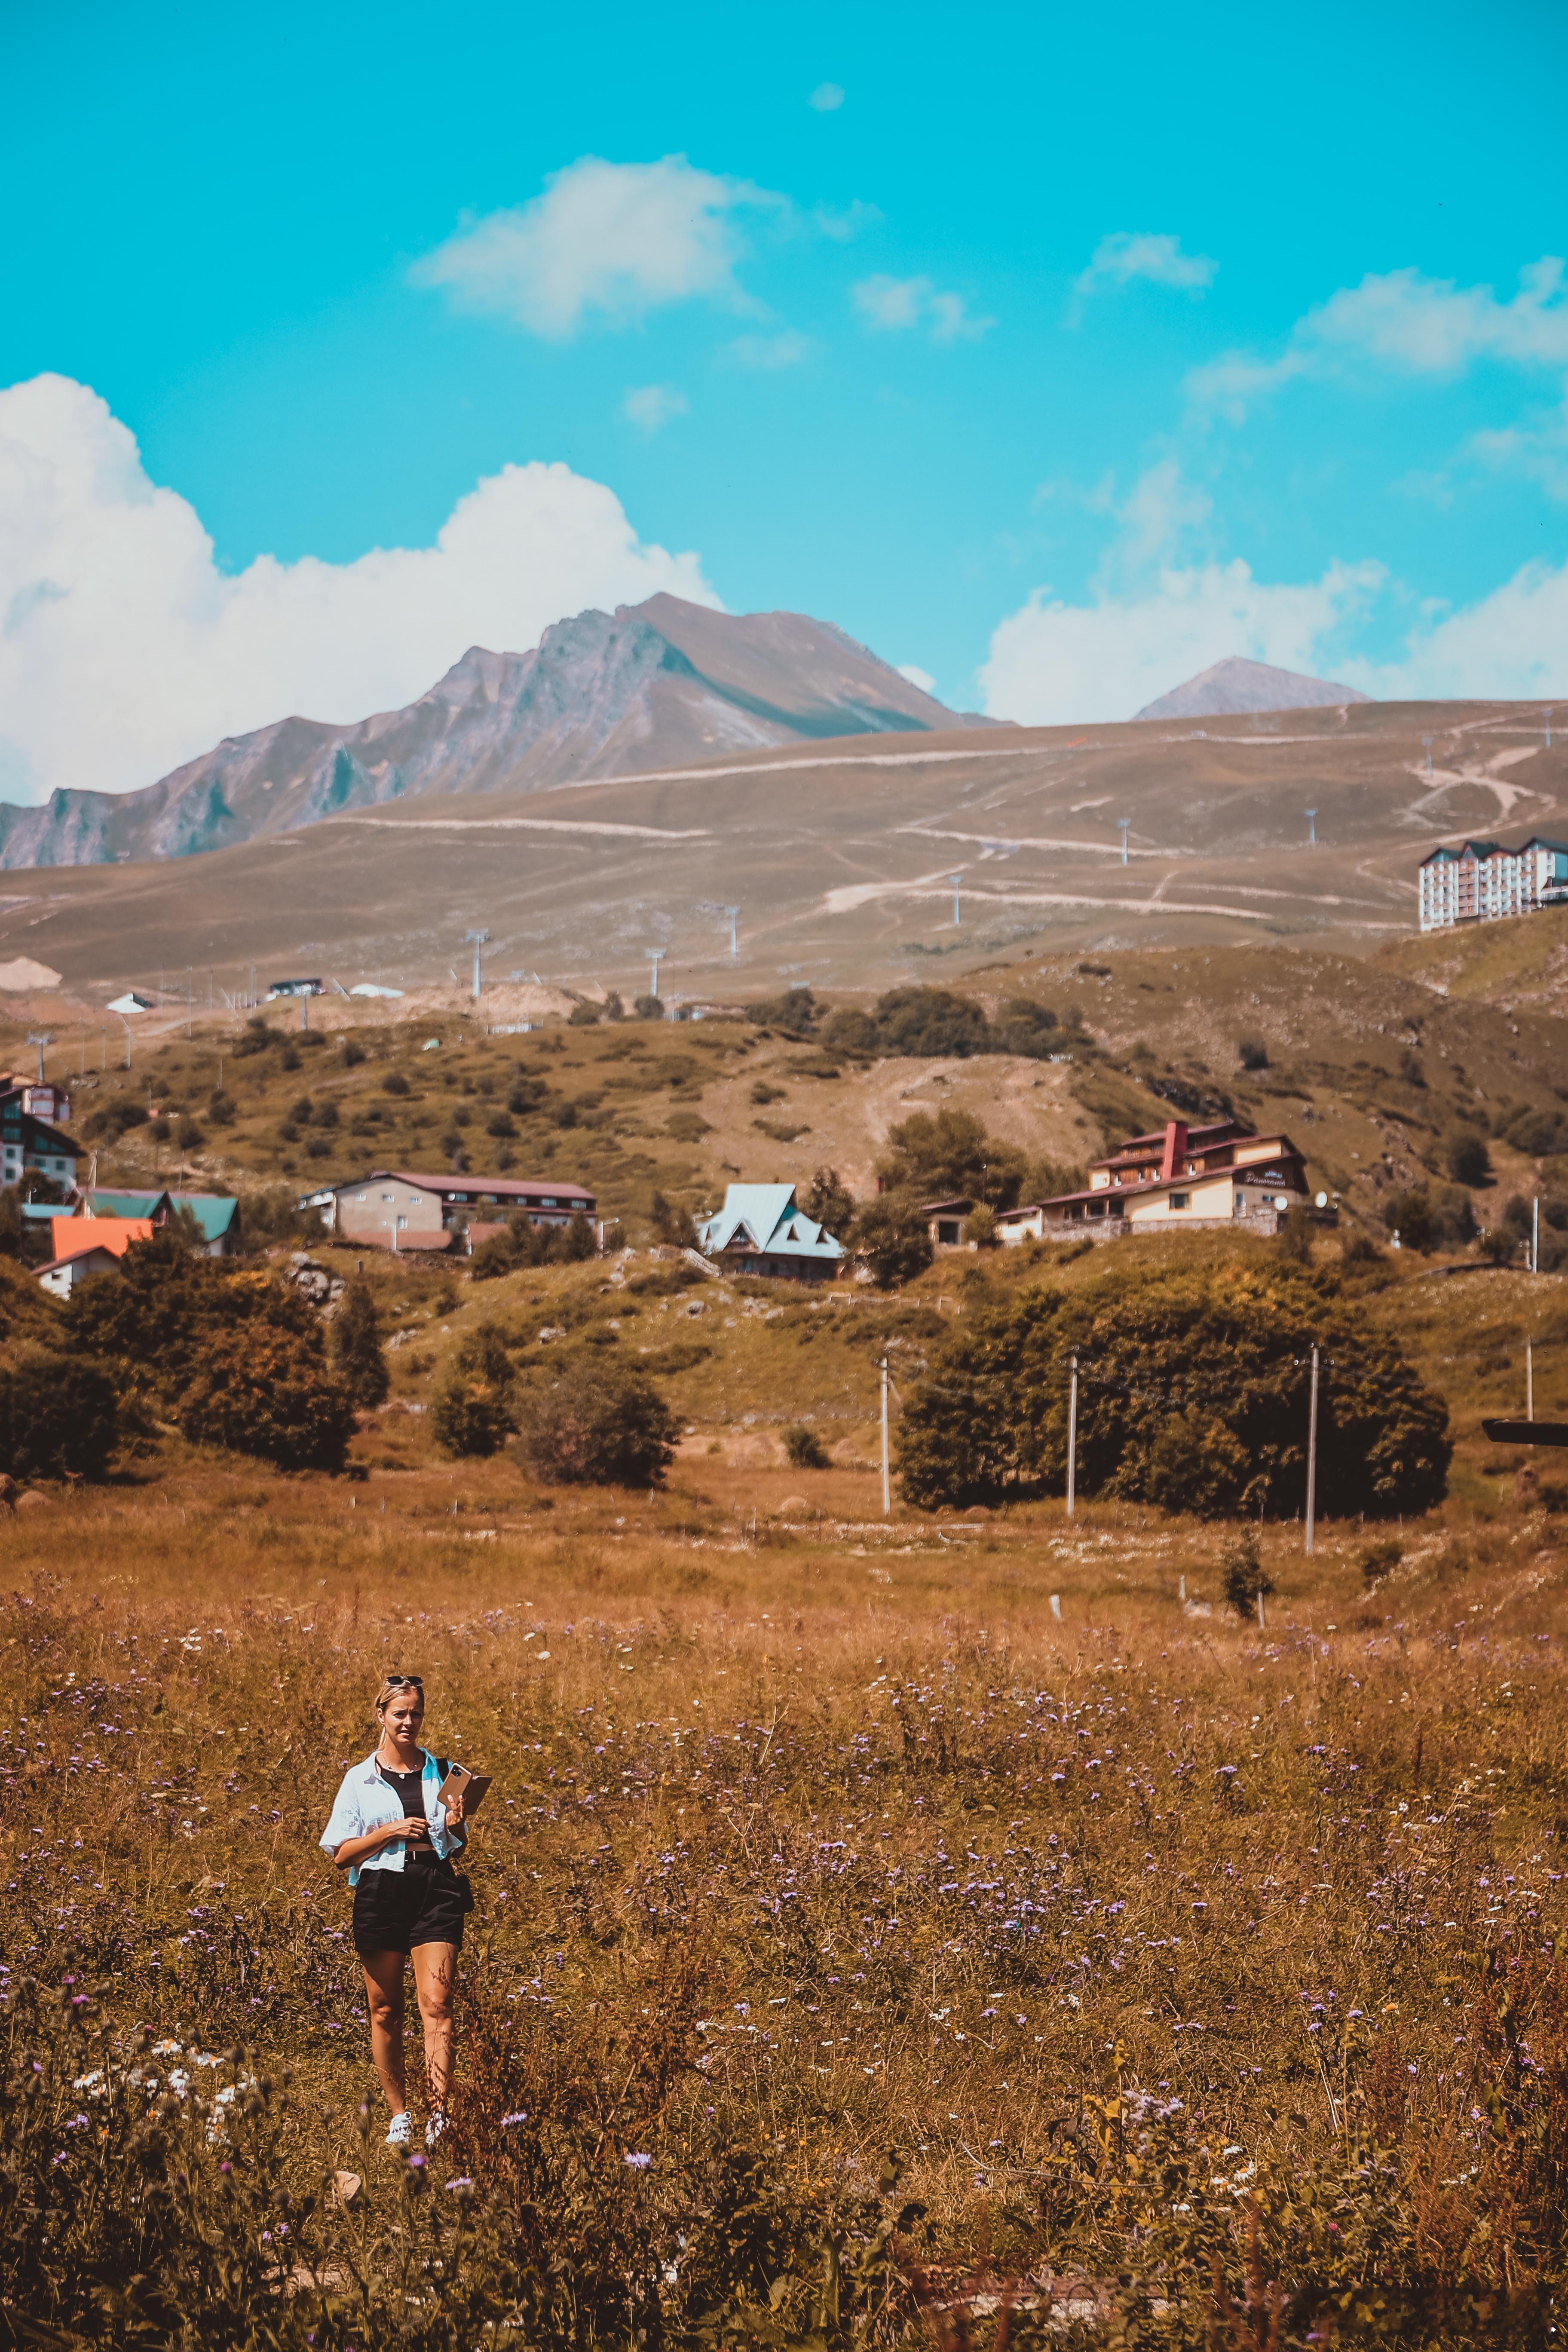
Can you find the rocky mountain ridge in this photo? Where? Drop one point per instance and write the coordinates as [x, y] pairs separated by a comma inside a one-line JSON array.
[[650, 685], [1234, 686]]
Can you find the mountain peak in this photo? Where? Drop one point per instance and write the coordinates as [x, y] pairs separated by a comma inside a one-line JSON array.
[[1236, 685], [657, 685]]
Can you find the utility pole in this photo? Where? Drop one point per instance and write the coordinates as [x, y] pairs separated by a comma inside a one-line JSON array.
[[1546, 714], [1124, 822], [955, 879], [1534, 1221], [887, 1489], [1530, 1380], [190, 997], [479, 938], [1312, 828], [1427, 747], [1311, 1461], [1072, 1439], [734, 915], [656, 957]]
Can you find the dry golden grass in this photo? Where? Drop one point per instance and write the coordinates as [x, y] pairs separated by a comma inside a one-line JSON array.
[[947, 1865]]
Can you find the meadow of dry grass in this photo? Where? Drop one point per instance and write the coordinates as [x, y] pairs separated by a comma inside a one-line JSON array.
[[847, 1829]]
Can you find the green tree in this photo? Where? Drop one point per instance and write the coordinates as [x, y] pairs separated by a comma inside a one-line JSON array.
[[891, 1237], [950, 1152], [59, 1413], [357, 1353], [470, 1414], [1245, 1579], [598, 1424], [830, 1202], [1193, 1395], [263, 1387], [12, 1225], [803, 1449]]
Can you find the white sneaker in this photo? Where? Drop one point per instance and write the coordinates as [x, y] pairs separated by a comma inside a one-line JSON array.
[[434, 2126], [400, 2131]]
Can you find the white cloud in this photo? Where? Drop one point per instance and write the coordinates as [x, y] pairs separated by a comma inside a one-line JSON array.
[[614, 239], [124, 649], [893, 304], [1054, 664], [918, 676], [1420, 326], [1127, 254], [827, 98], [787, 349], [1511, 644], [650, 406]]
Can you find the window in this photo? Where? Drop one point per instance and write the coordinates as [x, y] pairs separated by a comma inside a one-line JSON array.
[[362, 1196], [417, 1200], [1097, 1208], [389, 1196], [947, 1232], [402, 1221], [1181, 1200]]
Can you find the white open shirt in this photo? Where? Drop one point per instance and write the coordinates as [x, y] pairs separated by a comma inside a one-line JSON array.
[[367, 1800]]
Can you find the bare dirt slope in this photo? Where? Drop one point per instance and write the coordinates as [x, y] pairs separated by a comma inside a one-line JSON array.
[[839, 855]]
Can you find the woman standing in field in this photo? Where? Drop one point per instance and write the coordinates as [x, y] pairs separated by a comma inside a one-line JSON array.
[[395, 1835]]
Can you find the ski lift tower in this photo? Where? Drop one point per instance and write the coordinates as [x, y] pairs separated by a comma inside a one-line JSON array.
[[40, 1038], [479, 940]]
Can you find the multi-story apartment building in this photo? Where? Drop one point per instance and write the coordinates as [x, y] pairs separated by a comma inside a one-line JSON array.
[[1481, 881]]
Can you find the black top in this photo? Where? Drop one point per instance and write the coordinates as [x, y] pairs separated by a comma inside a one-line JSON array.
[[418, 1854]]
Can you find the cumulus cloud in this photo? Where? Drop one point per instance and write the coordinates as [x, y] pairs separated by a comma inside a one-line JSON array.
[[893, 304], [1511, 644], [1128, 253], [124, 649], [650, 406], [1402, 320], [826, 97], [1053, 663], [614, 240]]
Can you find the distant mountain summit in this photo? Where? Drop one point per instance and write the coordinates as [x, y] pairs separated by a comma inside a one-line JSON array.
[[657, 685], [1234, 684]]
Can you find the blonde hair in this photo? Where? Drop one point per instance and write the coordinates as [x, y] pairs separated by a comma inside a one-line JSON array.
[[391, 1685]]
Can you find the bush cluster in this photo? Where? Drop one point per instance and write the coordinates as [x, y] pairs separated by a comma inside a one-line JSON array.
[[1192, 1396]]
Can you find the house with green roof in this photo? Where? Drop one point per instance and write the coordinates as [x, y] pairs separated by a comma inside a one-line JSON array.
[[215, 1212], [760, 1230]]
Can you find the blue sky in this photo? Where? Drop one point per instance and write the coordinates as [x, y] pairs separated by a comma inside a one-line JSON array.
[[1044, 352]]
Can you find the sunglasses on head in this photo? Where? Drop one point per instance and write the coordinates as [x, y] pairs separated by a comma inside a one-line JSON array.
[[407, 1682]]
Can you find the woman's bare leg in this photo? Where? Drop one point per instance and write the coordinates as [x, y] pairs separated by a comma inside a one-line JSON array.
[[384, 1991], [436, 1979]]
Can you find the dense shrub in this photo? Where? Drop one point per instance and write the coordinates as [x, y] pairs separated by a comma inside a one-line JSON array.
[[797, 1011], [106, 1122], [1193, 1395], [58, 1414], [648, 1007], [262, 1387], [1536, 1133], [935, 1021], [598, 1424], [357, 1355], [1252, 1054], [1466, 1157], [1244, 1580], [526, 1244], [804, 1448]]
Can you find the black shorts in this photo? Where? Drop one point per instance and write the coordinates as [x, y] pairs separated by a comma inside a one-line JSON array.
[[395, 1909]]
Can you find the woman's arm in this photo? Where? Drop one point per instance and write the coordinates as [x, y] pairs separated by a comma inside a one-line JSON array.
[[355, 1849]]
